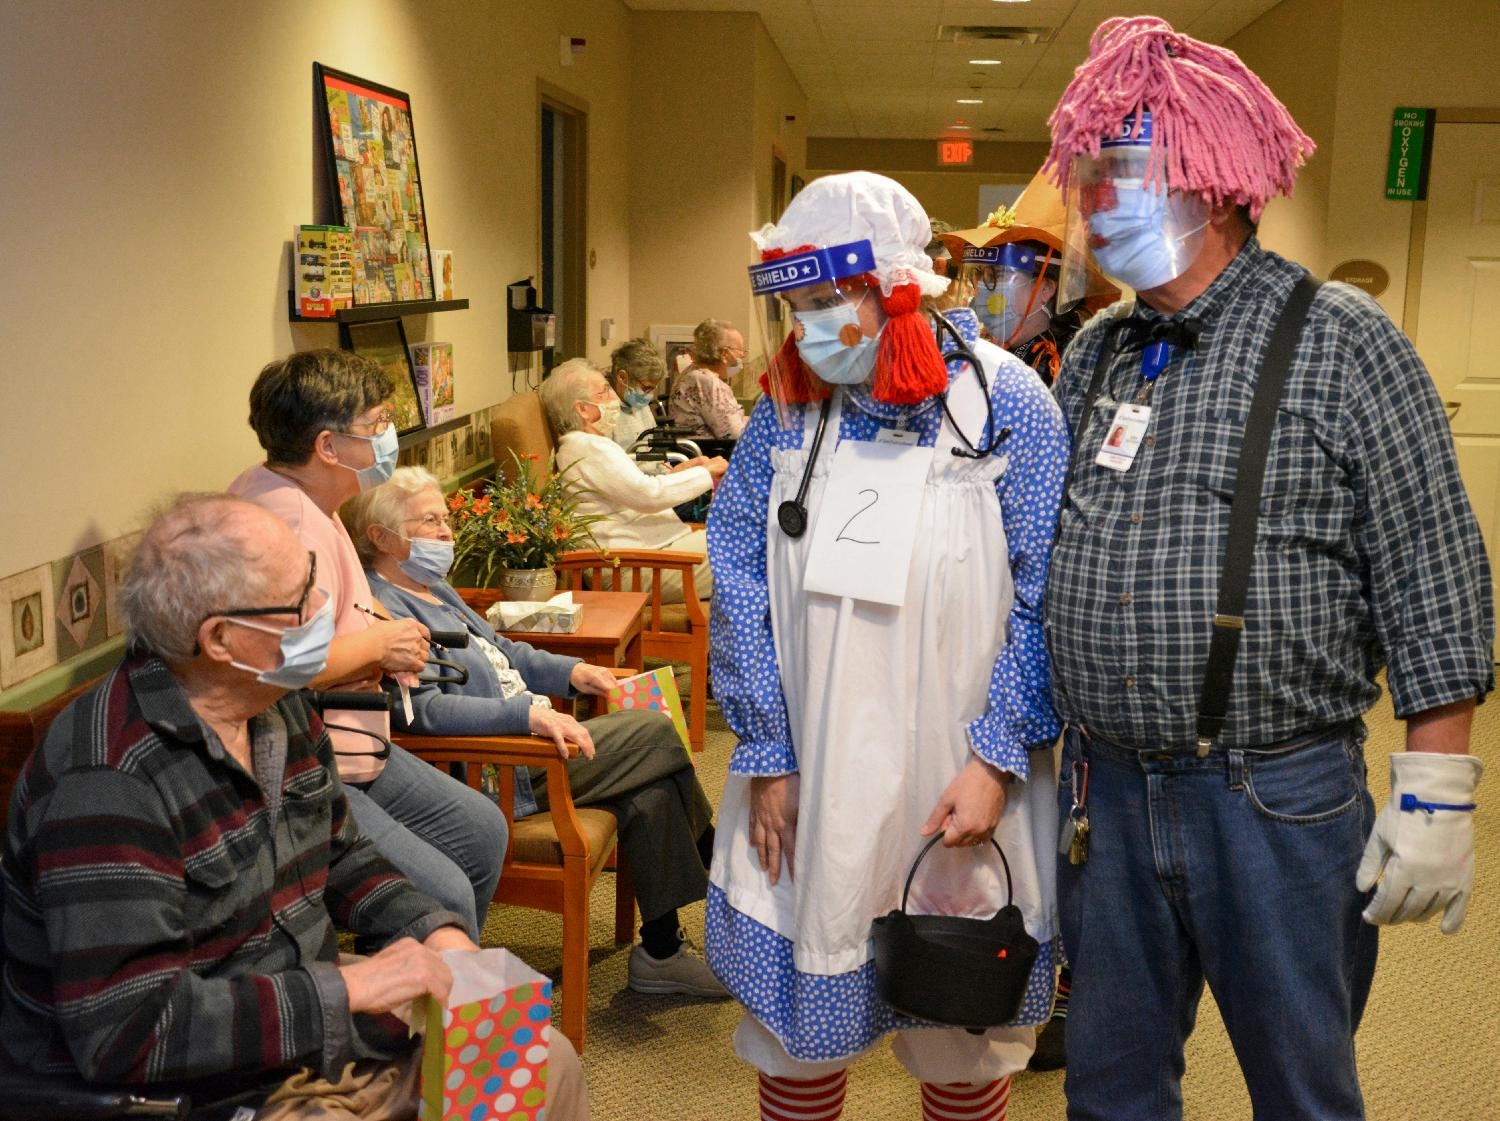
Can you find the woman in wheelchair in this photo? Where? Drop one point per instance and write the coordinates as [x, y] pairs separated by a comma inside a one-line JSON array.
[[632, 763], [635, 508]]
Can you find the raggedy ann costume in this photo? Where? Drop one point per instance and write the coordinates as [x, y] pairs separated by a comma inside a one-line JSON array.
[[876, 706]]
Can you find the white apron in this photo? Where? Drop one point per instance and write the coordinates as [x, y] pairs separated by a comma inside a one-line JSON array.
[[879, 699]]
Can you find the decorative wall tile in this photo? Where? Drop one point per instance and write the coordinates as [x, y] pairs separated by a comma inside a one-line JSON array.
[[116, 560], [466, 446], [78, 582], [27, 626], [482, 435]]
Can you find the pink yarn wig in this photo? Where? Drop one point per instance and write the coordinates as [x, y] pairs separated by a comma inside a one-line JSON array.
[[1218, 132]]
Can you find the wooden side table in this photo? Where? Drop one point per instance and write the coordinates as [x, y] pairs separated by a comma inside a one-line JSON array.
[[609, 635]]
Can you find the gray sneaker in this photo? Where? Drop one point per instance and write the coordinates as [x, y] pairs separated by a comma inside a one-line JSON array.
[[684, 972]]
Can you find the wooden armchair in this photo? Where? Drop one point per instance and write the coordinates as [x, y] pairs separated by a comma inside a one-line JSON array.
[[554, 857], [675, 631]]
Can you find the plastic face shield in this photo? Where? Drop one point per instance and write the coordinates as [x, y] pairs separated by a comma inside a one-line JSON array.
[[1123, 218], [1003, 277], [827, 302]]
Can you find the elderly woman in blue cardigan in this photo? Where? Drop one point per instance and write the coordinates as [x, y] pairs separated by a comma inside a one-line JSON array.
[[632, 762]]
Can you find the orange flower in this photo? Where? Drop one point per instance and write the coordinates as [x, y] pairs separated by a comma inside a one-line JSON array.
[[483, 505], [516, 538], [533, 502], [559, 533], [456, 500]]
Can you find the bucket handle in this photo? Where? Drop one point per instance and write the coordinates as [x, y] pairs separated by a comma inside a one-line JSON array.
[[928, 848]]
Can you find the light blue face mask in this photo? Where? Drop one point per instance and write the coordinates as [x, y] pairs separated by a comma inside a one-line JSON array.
[[824, 350], [636, 398], [430, 560], [387, 449], [1148, 238], [304, 649]]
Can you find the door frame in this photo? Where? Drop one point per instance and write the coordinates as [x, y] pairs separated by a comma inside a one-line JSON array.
[[572, 311], [1417, 242]]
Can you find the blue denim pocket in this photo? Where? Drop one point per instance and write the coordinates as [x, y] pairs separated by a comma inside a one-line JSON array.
[[1308, 784]]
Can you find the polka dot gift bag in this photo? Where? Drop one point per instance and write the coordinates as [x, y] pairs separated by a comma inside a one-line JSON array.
[[655, 689], [485, 1055]]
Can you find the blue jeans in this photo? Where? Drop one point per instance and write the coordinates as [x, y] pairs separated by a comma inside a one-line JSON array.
[[1237, 868], [446, 838]]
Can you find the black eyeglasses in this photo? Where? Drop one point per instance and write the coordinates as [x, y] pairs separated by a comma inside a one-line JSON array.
[[312, 576]]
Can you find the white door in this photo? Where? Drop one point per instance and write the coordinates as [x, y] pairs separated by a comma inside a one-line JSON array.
[[1458, 325]]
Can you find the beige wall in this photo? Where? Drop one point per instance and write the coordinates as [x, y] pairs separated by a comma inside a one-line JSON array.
[[1399, 52], [711, 101], [1289, 48], [154, 169], [1387, 53]]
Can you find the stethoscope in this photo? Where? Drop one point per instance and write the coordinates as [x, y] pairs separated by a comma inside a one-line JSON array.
[[791, 515]]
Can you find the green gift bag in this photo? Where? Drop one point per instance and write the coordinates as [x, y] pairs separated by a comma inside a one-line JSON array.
[[485, 1054]]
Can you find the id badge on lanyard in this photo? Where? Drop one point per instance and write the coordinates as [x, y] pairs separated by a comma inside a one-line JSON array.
[[866, 525], [1123, 437]]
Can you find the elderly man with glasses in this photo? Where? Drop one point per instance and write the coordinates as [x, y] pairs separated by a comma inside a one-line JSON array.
[[196, 798], [324, 419]]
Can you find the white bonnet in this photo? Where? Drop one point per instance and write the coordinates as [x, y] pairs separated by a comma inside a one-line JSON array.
[[861, 206]]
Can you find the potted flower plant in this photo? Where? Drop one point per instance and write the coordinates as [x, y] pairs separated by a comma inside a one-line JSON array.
[[510, 533]]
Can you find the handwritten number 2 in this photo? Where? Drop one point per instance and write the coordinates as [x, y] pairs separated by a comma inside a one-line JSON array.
[[841, 536]]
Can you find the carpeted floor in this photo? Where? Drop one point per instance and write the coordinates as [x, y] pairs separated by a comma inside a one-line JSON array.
[[1427, 1050]]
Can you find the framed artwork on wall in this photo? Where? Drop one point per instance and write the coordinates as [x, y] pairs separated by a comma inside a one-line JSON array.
[[384, 340], [371, 154], [674, 341]]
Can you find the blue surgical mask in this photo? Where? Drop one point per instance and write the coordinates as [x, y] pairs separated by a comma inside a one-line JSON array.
[[1151, 236], [387, 448], [430, 560], [304, 649], [636, 398], [1000, 308], [825, 351]]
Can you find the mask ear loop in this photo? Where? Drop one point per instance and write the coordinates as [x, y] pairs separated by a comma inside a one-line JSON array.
[[1030, 300]]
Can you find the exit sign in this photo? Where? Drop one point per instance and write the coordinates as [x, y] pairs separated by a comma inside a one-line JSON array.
[[952, 152]]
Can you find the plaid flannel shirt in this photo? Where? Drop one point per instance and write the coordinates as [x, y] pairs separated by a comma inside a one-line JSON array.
[[1367, 553], [166, 917]]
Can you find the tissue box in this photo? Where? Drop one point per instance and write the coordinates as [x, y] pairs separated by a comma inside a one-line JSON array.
[[558, 615]]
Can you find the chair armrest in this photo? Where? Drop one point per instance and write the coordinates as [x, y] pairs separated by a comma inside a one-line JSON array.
[[629, 558], [512, 751]]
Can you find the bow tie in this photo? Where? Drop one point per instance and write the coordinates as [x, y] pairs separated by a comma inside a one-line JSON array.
[[1134, 332]]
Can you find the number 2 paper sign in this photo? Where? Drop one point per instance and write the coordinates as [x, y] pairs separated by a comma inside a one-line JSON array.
[[866, 524], [655, 689]]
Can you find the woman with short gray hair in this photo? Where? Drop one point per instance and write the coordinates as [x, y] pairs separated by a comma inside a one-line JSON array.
[[634, 509], [702, 400], [636, 369], [632, 763]]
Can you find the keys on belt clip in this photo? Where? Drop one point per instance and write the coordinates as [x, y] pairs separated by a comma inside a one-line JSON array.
[[1074, 842]]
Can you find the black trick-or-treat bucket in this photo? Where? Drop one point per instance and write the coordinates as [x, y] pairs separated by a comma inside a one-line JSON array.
[[967, 973]]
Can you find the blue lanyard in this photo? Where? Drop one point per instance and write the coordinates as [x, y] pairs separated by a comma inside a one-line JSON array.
[[1154, 360]]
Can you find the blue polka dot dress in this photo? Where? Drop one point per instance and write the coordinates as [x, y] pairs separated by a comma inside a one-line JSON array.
[[876, 708]]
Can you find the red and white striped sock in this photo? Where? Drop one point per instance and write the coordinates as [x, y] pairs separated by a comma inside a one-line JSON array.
[[795, 1099], [965, 1101]]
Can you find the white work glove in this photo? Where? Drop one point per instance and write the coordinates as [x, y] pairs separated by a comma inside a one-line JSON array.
[[1422, 847]]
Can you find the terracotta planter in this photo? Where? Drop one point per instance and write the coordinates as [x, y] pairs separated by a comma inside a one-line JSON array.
[[526, 583]]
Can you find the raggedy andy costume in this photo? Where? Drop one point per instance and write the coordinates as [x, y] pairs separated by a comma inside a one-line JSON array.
[[880, 548]]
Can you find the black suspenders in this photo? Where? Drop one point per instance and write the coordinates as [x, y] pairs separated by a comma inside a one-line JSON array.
[[1244, 510]]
